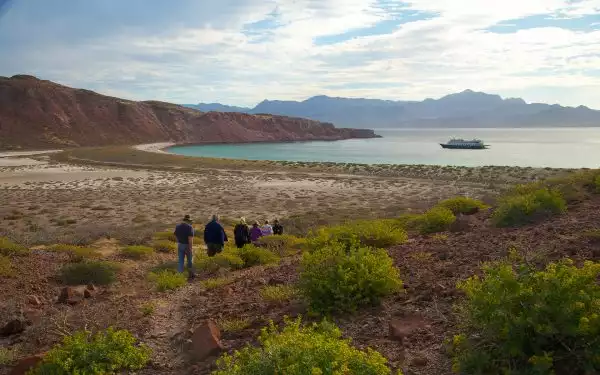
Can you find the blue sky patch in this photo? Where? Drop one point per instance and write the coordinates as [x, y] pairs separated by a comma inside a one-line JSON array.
[[585, 23]]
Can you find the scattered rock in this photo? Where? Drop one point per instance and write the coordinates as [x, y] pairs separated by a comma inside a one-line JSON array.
[[27, 364], [88, 293], [91, 287], [276, 281], [13, 327], [419, 361], [34, 300], [206, 341], [70, 296]]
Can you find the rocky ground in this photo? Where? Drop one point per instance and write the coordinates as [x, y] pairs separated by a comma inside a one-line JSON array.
[[87, 203]]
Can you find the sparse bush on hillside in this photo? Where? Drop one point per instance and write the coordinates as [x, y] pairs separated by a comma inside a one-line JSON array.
[[573, 187], [520, 321], [168, 236], [165, 246], [217, 282], [254, 256], [6, 268], [8, 247], [302, 350], [75, 253], [137, 252], [233, 325], [229, 259], [167, 279], [283, 245], [278, 293], [525, 208], [437, 219], [373, 233], [94, 272], [107, 352], [337, 279], [462, 205]]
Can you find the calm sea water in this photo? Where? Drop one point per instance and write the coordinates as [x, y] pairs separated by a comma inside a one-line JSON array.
[[560, 148]]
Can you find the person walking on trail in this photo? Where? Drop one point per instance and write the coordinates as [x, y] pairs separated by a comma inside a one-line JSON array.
[[267, 229], [277, 228], [214, 236], [184, 232], [255, 232], [241, 234]]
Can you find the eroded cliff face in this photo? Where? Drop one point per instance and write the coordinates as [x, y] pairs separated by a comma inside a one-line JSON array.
[[42, 114]]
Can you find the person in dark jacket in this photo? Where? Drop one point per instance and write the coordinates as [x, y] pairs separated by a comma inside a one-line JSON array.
[[241, 234], [214, 236], [277, 228]]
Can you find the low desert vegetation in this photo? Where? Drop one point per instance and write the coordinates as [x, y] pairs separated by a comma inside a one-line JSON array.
[[6, 267], [523, 207], [106, 352], [137, 252], [435, 220], [164, 246], [75, 253], [228, 260], [337, 279], [298, 350], [283, 245], [278, 293], [10, 248], [91, 272], [373, 233], [233, 325], [216, 282], [522, 321], [7, 356], [167, 279], [148, 308], [254, 256], [168, 236], [462, 205]]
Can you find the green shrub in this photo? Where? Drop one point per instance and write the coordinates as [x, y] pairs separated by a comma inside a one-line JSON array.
[[521, 209], [302, 350], [462, 205], [597, 184], [165, 246], [93, 272], [8, 247], [107, 352], [168, 236], [167, 280], [283, 245], [254, 256], [278, 293], [520, 321], [147, 309], [6, 268], [7, 356], [229, 259], [75, 253], [233, 325], [374, 233], [337, 279], [137, 252], [437, 219]]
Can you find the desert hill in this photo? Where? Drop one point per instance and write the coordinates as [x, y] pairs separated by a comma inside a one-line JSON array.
[[41, 114]]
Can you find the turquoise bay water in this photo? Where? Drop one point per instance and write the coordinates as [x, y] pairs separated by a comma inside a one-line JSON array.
[[559, 148]]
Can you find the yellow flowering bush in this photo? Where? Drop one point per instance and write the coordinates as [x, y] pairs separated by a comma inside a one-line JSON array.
[[520, 321], [316, 349]]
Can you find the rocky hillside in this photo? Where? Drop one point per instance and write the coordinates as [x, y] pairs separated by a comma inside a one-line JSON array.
[[42, 114]]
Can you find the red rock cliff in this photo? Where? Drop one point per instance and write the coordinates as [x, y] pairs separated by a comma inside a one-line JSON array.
[[42, 114]]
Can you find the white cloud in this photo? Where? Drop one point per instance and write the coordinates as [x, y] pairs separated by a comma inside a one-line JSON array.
[[217, 57]]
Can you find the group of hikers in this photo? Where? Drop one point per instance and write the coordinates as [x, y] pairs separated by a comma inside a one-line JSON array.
[[215, 237]]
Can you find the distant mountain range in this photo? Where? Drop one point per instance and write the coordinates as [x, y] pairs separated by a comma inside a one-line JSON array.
[[464, 109]]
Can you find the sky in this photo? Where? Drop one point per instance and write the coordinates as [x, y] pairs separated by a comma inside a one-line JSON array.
[[240, 52]]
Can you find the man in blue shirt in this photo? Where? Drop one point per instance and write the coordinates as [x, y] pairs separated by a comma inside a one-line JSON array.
[[214, 236], [185, 241]]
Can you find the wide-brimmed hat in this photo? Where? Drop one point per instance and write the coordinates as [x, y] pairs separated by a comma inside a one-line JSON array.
[[187, 219]]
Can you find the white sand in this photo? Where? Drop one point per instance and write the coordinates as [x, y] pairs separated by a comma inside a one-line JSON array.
[[154, 147], [9, 154]]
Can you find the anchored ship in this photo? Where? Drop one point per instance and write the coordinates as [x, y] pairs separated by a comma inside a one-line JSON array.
[[458, 143]]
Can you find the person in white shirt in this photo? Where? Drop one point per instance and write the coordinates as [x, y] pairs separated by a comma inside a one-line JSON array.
[[266, 229]]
